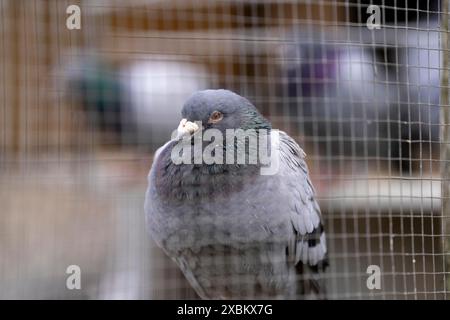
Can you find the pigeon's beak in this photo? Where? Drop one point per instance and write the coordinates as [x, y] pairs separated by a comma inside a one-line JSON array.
[[186, 128], [197, 122]]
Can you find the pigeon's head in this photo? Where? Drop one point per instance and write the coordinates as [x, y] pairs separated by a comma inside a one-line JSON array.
[[223, 109]]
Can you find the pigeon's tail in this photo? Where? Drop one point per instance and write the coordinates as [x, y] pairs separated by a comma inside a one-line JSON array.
[[310, 281], [318, 280], [312, 260]]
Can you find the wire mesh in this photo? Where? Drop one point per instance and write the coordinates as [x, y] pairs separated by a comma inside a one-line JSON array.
[[84, 107]]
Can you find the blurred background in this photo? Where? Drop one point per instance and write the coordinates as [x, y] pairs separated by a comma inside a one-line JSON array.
[[83, 110]]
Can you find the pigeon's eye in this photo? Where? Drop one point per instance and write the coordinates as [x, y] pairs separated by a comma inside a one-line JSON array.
[[216, 116]]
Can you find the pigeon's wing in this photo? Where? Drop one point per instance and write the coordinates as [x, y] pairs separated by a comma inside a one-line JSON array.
[[310, 245]]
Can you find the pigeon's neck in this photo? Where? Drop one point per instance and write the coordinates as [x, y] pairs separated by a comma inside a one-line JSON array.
[[252, 119]]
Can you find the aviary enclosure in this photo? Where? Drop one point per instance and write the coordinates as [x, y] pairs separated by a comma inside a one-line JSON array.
[[90, 89]]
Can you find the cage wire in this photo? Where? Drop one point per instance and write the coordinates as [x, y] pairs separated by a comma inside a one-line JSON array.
[[363, 91]]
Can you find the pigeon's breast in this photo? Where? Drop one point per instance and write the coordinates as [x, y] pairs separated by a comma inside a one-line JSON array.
[[199, 183], [198, 205]]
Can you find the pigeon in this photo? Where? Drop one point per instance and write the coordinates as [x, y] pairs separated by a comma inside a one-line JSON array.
[[418, 108], [155, 89], [339, 93], [371, 102], [234, 230], [95, 85]]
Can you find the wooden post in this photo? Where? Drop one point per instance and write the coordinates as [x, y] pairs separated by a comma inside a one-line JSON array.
[[445, 138]]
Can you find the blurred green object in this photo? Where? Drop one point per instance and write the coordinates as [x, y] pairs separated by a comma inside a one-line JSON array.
[[97, 88]]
